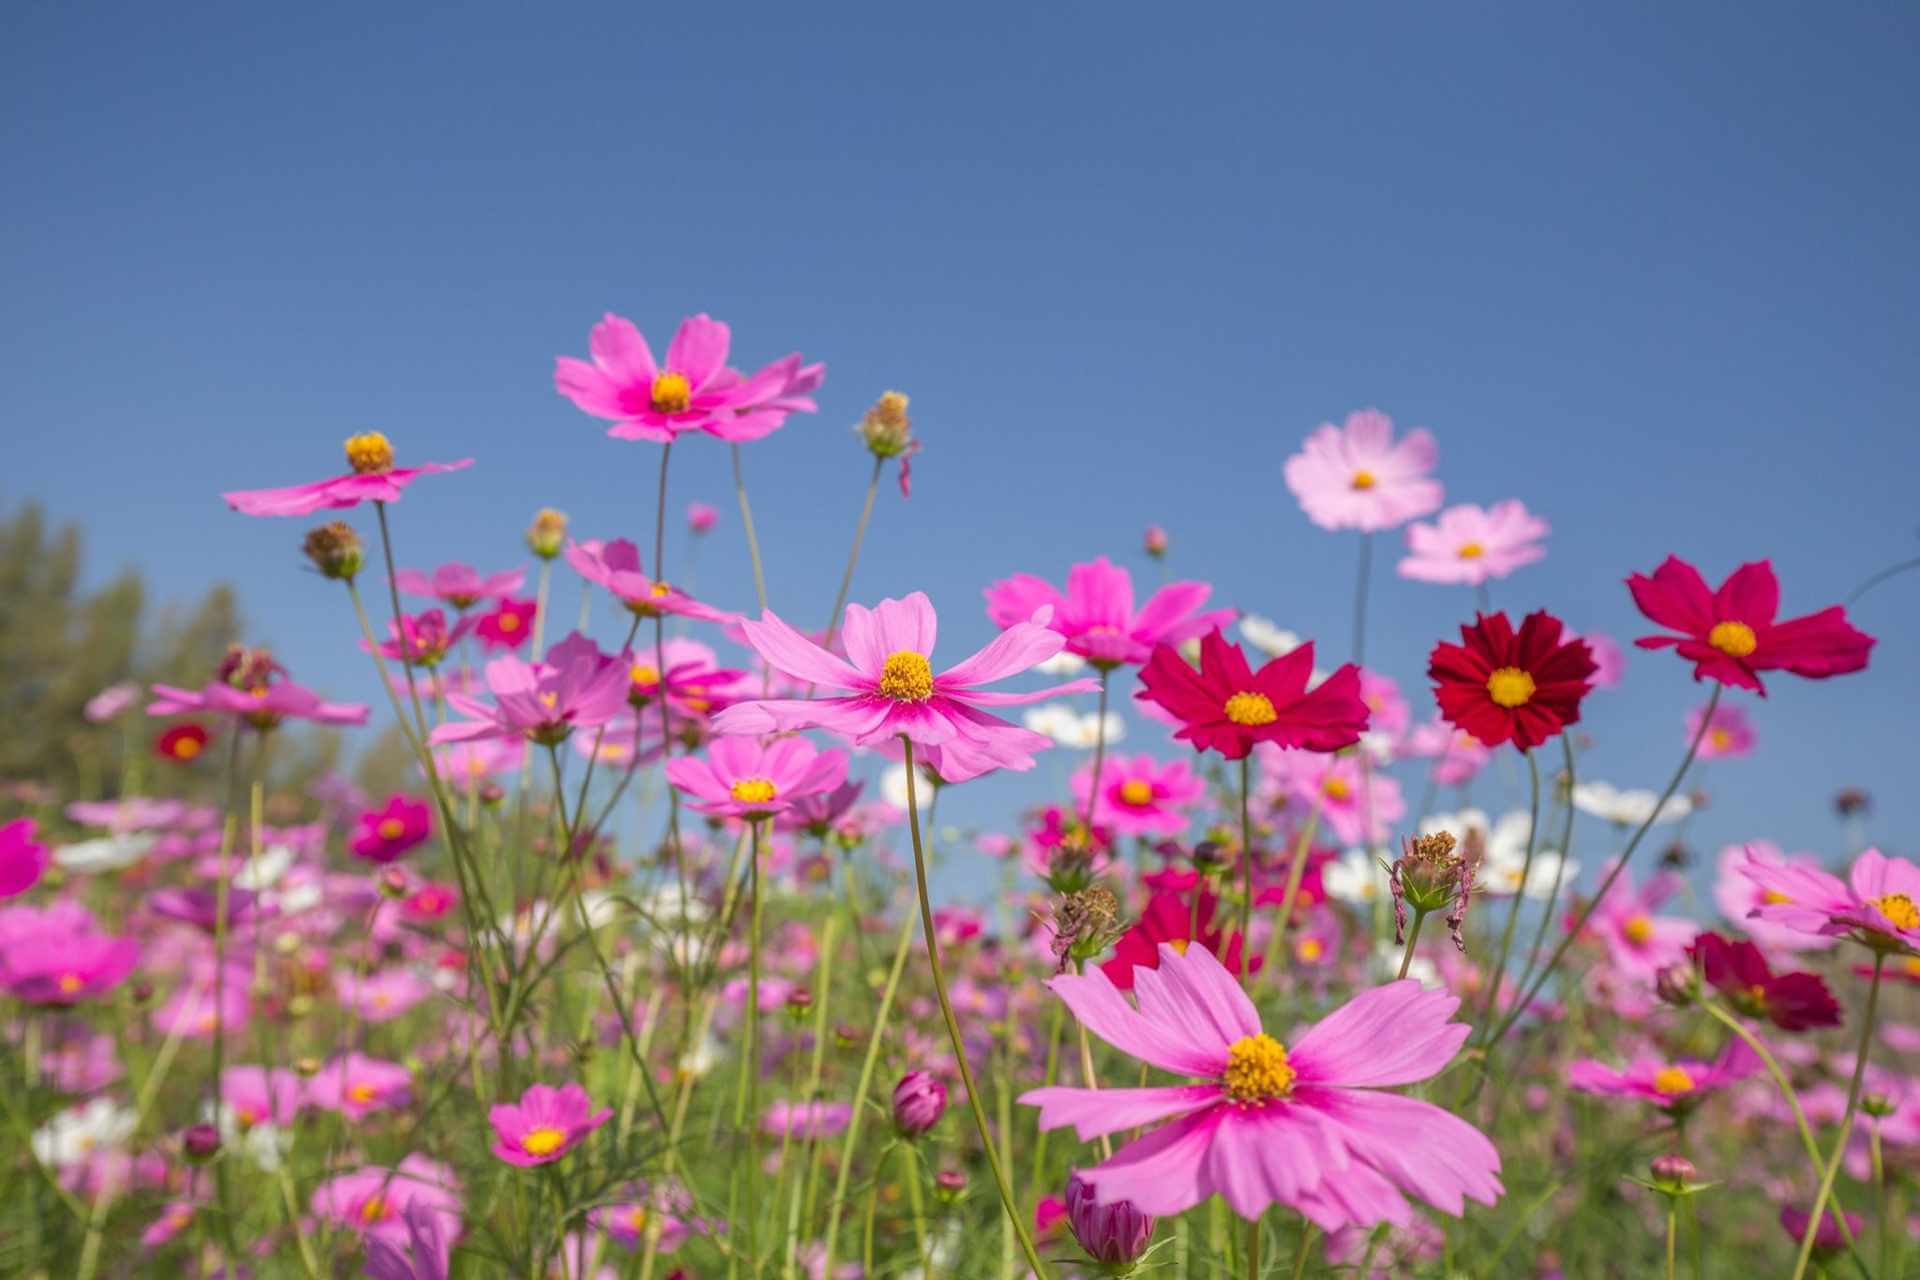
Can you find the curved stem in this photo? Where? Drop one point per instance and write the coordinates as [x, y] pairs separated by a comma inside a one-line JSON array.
[[853, 556], [1413, 936], [746, 523], [1499, 970], [1307, 1230], [1891, 571], [1846, 1120], [953, 1026], [1559, 872], [1099, 753]]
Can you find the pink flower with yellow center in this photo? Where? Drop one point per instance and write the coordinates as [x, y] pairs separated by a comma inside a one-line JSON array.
[[56, 956], [743, 778], [460, 585], [378, 1203], [373, 478], [1671, 1084], [1878, 904], [1306, 1123], [577, 687], [1355, 807], [508, 625], [1140, 795], [1097, 616], [1640, 942], [1737, 895], [1358, 476], [1729, 734], [616, 566], [356, 1085], [1470, 545], [544, 1125], [385, 834]]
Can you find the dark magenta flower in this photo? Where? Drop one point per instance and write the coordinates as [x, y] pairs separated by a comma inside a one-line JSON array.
[[384, 834], [1226, 706], [1730, 635], [1738, 971], [1521, 687]]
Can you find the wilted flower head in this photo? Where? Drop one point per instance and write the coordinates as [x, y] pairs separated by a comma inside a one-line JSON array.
[[1083, 923], [548, 533], [334, 548], [919, 1101], [1430, 876]]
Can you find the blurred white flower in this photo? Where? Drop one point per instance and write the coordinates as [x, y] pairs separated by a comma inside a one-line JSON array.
[[105, 853], [264, 871], [1268, 637], [265, 1144], [1062, 664], [1386, 963], [1627, 808], [73, 1135], [1356, 877], [1069, 728]]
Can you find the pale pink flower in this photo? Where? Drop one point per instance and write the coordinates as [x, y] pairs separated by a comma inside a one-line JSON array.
[[1729, 734], [1140, 795], [1470, 545], [1359, 477], [742, 778], [1097, 616], [1739, 895]]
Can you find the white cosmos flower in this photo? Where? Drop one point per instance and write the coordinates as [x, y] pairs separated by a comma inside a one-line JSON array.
[[1268, 637], [1386, 963], [1070, 728], [1356, 877], [264, 871], [1627, 808], [73, 1135], [265, 1144], [1062, 664], [104, 853]]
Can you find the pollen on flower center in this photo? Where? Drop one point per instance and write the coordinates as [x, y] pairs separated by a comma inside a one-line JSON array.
[[1774, 898], [643, 673], [1136, 791], [374, 1209], [1638, 930], [1735, 639], [1336, 789], [907, 677], [391, 829], [1471, 551], [1257, 1070], [1363, 480], [753, 791], [369, 453], [1251, 709], [1899, 909], [1672, 1081], [70, 983], [1510, 687], [543, 1142], [671, 393], [509, 622], [361, 1093]]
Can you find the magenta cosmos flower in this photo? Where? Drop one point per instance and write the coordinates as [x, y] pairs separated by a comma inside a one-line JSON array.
[[1638, 941], [1730, 635], [1228, 707], [263, 706], [55, 956], [693, 390], [1470, 545], [1359, 477], [1097, 614], [374, 478], [460, 585], [616, 566], [380, 1202], [356, 1085], [422, 638], [1738, 895], [889, 688], [383, 835], [1668, 1083], [743, 778], [1878, 904], [544, 1125], [1305, 1125], [577, 687], [1140, 795], [23, 860], [1729, 734]]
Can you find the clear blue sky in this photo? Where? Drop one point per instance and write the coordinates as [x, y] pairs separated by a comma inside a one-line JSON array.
[[1650, 268]]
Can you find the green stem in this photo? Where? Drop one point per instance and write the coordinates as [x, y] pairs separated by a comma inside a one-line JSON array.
[[1307, 1230], [746, 522], [1673, 1224], [1413, 936], [853, 556], [1099, 753], [1846, 1120], [1246, 855], [1499, 970]]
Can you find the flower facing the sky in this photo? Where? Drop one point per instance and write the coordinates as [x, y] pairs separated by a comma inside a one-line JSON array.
[[1097, 616], [1670, 1083], [384, 834], [1638, 941], [459, 585], [576, 687], [1502, 685], [616, 566], [373, 478], [508, 625], [544, 1125], [1228, 707], [887, 688], [1731, 635], [1359, 477], [1738, 971], [1307, 1124], [692, 390], [1470, 545], [1140, 795], [741, 777], [1728, 732], [422, 638], [1737, 895], [1878, 904]]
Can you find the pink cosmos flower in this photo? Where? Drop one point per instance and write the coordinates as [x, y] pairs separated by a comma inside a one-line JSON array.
[[1307, 1125], [23, 860], [383, 995], [1672, 1084], [1456, 754], [1097, 615], [380, 1202], [111, 701], [1639, 942], [508, 625], [422, 638], [1729, 734], [428, 1250], [626, 1225], [263, 706], [460, 585], [744, 778], [544, 1125], [383, 835], [1140, 795], [577, 687], [616, 566], [1609, 659], [261, 1095], [693, 391], [356, 1085], [697, 684], [1738, 896], [1470, 545], [1878, 904], [1358, 477], [890, 689], [374, 478], [54, 956], [1355, 809], [805, 1120], [1388, 713], [701, 518]]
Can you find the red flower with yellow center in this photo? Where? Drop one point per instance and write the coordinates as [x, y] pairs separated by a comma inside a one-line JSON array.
[[1730, 634], [1502, 685], [1226, 706], [182, 744]]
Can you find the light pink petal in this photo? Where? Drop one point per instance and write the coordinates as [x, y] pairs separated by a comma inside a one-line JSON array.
[[908, 624], [699, 349], [1194, 992], [1093, 999], [1019, 648], [1392, 1035], [619, 347], [590, 389], [1164, 1172], [1094, 1112], [791, 653]]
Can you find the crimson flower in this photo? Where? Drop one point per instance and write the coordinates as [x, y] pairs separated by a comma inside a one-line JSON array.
[[1738, 971], [1227, 707], [1172, 919], [1730, 634], [1521, 687]]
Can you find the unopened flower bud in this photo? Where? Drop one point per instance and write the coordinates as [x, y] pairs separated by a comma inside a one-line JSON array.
[[308, 1066], [393, 883], [141, 992], [799, 1001], [1877, 1105], [949, 1185], [1114, 1235], [1156, 541], [548, 533], [886, 428], [701, 518], [300, 1006], [1678, 984], [1677, 1170], [919, 1101], [334, 549], [200, 1143]]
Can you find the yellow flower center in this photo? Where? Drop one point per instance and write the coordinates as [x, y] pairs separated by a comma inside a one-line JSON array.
[[1637, 930], [1336, 788], [1363, 480], [659, 590], [1471, 551], [671, 393], [509, 622], [906, 677], [1899, 909], [1257, 1070], [391, 829], [1136, 792], [1912, 965], [1774, 898], [1672, 1081], [374, 1209], [186, 748], [361, 1093], [1735, 639], [752, 791], [369, 453], [70, 983], [1510, 687], [644, 674], [1311, 949], [1180, 944], [637, 1218], [1721, 739], [543, 1142], [1251, 709]]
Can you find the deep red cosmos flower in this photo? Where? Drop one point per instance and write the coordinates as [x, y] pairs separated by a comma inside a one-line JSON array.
[[1737, 970], [1170, 918], [1227, 707], [1506, 686], [182, 744], [1730, 635]]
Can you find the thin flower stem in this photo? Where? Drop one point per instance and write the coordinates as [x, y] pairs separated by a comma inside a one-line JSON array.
[[822, 991], [953, 1026], [1246, 856], [1086, 1071], [1673, 1234], [1253, 1249], [1056, 1023], [1296, 872], [1579, 925], [1413, 936], [1360, 598], [1499, 969], [1846, 1120], [399, 622], [853, 555], [1559, 872], [1099, 752], [1307, 1231], [746, 523]]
